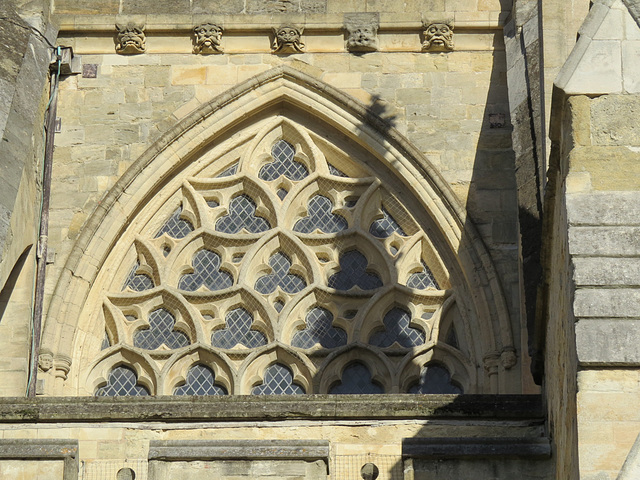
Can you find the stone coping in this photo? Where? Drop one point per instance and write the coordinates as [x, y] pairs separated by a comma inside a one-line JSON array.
[[43, 449], [277, 407], [190, 450], [477, 447]]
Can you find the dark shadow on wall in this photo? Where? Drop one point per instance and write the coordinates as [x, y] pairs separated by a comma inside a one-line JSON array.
[[12, 280]]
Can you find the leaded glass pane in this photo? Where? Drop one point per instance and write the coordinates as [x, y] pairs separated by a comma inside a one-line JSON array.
[[397, 329], [353, 272], [160, 332], [320, 217], [278, 380], [356, 380], [283, 164], [200, 381], [334, 171], [232, 170], [385, 226], [176, 227], [319, 330], [288, 282], [122, 381], [138, 282], [238, 331], [282, 193], [435, 379], [242, 215], [206, 271], [422, 280]]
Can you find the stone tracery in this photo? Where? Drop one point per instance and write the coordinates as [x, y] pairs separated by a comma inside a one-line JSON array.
[[244, 272]]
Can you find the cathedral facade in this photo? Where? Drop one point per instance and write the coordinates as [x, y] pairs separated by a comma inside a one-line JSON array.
[[317, 239]]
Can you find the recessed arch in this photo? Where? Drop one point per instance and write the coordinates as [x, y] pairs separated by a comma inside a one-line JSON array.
[[234, 118]]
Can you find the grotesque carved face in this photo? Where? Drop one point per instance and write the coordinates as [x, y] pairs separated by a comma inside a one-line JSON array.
[[288, 35], [438, 36], [45, 362], [208, 38], [362, 37], [131, 39], [287, 40]]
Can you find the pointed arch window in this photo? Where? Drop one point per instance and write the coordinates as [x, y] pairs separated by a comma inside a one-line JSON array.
[[295, 267]]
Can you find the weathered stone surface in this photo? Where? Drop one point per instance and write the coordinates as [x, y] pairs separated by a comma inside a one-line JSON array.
[[605, 241], [309, 450], [448, 469], [286, 6], [607, 271], [83, 7], [606, 303], [606, 209], [180, 7], [608, 342], [476, 447], [610, 115], [213, 8], [46, 409]]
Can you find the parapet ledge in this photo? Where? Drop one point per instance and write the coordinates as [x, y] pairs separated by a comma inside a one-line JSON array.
[[527, 408]]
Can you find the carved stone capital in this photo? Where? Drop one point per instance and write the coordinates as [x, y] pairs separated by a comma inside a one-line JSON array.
[[62, 365], [362, 32], [131, 39], [207, 38], [287, 39], [438, 36]]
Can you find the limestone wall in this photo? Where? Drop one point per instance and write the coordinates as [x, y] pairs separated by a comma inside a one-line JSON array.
[[452, 105]]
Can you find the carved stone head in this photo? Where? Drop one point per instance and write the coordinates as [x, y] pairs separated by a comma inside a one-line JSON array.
[[362, 38], [438, 36], [45, 362], [287, 39], [131, 39], [207, 38]]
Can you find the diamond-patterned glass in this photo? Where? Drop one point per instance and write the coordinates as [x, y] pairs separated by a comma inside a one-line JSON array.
[[385, 226], [242, 215], [319, 330], [397, 329], [283, 164], [122, 381], [334, 171], [278, 380], [161, 331], [138, 282], [176, 227], [288, 282], [206, 271], [238, 331], [353, 272], [232, 170], [356, 380], [422, 280], [200, 381], [320, 217], [435, 379]]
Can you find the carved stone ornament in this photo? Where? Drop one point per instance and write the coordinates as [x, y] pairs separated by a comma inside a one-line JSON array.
[[362, 37], [45, 362], [438, 37], [131, 39], [207, 38], [287, 39]]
